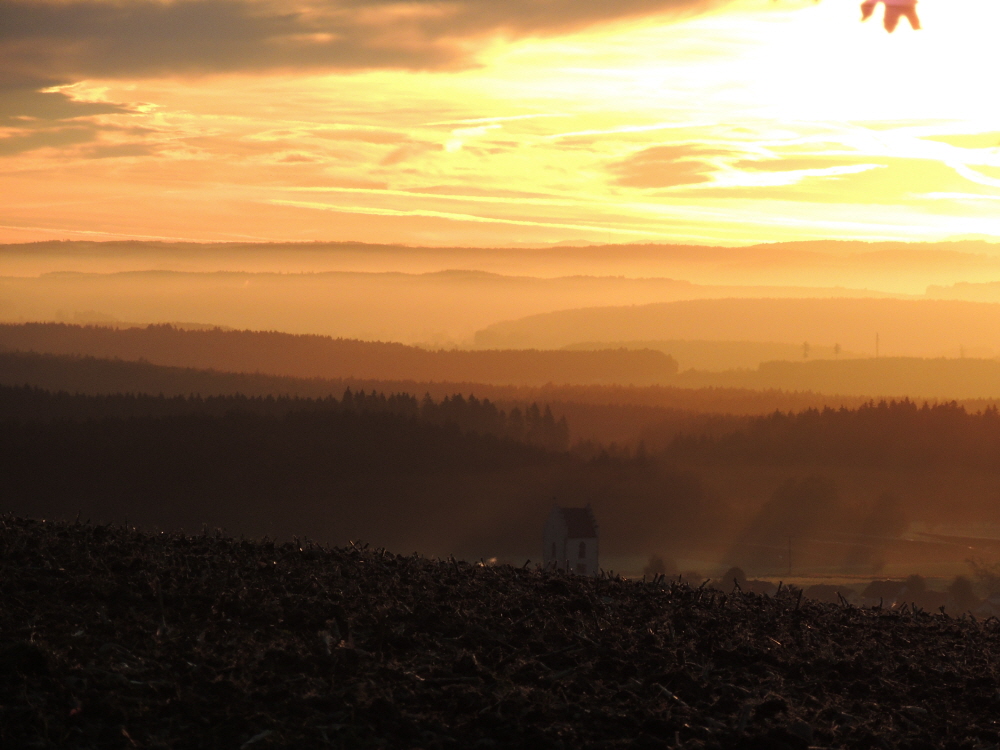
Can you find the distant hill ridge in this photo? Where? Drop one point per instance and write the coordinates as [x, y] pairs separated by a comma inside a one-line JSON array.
[[595, 412], [161, 359], [904, 327], [311, 356], [124, 246]]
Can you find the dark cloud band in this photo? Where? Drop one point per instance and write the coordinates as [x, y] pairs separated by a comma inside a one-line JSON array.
[[140, 38], [29, 99], [44, 43]]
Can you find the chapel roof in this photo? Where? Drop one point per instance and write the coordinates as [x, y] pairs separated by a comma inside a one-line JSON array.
[[580, 523]]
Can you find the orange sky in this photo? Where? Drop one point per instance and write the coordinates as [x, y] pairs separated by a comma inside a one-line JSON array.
[[484, 123]]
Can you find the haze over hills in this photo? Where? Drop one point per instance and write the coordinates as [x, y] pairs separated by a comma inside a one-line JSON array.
[[919, 328], [974, 292], [451, 305], [262, 363], [740, 484], [717, 356], [318, 356], [442, 296], [885, 377], [897, 267], [95, 375], [268, 466], [721, 313], [605, 414]]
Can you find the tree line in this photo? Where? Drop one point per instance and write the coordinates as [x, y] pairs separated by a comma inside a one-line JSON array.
[[534, 425], [392, 470], [888, 434]]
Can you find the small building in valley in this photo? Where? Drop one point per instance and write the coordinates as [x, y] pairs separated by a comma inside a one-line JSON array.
[[569, 541]]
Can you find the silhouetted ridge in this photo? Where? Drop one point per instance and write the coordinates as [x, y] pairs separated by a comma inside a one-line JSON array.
[[313, 356], [88, 374]]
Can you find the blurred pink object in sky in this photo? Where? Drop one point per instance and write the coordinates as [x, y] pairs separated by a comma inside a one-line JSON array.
[[893, 10]]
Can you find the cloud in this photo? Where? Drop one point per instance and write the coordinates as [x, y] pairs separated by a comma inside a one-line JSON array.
[[49, 43], [795, 163], [78, 135], [667, 166], [118, 150], [297, 159], [70, 41], [472, 218], [408, 151], [48, 138], [363, 135], [990, 140], [860, 180], [29, 99]]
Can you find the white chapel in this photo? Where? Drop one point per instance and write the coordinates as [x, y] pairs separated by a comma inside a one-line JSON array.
[[570, 541]]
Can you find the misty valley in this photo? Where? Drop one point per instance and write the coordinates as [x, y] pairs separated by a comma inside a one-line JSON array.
[[795, 491], [669, 515]]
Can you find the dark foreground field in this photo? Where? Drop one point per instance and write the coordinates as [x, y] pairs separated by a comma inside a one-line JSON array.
[[115, 638]]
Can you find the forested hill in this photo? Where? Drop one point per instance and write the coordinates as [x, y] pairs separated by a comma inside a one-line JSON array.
[[534, 425], [371, 468], [894, 434], [310, 356], [88, 374]]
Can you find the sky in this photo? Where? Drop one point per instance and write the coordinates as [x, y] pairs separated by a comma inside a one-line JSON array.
[[484, 123]]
